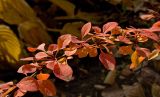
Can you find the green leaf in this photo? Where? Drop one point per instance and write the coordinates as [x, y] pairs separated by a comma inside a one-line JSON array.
[[10, 48]]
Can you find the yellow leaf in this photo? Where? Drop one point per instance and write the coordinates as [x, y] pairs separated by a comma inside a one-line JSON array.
[[10, 48], [136, 60], [67, 6], [33, 33], [15, 11]]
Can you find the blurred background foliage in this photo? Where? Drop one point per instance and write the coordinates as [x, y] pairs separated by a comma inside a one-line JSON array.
[[25, 23]]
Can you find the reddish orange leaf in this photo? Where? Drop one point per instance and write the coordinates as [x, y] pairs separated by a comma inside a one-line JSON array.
[[70, 52], [19, 93], [150, 35], [63, 41], [41, 55], [109, 26], [156, 25], [25, 69], [5, 86], [144, 52], [63, 71], [50, 65], [125, 50], [31, 49], [141, 38], [52, 47], [96, 29], [47, 87], [117, 30], [107, 60], [82, 52], [43, 76], [86, 29], [124, 39], [92, 51], [28, 84]]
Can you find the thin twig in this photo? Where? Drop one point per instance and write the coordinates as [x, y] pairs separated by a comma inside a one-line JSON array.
[[8, 91]]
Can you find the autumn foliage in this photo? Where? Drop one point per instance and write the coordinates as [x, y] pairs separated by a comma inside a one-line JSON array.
[[108, 43]]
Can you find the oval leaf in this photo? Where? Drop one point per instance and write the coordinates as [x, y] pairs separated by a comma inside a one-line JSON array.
[[28, 84], [43, 76], [27, 69], [63, 71], [86, 29], [10, 48], [124, 39], [47, 87], [63, 41], [107, 60], [109, 26], [150, 35], [41, 55]]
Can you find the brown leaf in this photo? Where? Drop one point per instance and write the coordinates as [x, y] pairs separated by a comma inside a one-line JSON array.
[[155, 90], [134, 90], [110, 78]]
